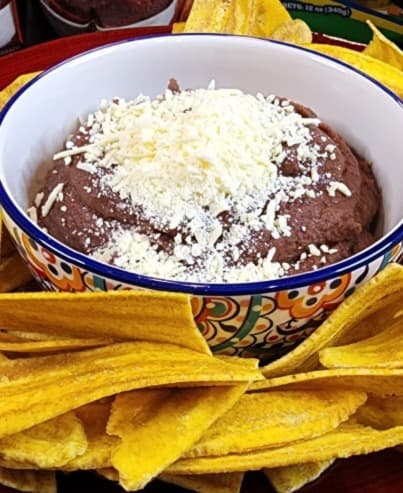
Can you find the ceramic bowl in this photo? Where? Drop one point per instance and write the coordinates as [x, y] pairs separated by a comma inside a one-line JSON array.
[[7, 25], [66, 27], [264, 319]]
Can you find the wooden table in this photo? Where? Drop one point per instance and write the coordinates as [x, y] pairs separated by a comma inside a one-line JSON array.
[[376, 473]]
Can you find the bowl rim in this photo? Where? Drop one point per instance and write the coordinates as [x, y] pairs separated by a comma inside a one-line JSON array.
[[86, 263]]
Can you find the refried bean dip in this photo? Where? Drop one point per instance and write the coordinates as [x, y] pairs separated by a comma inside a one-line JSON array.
[[209, 185]]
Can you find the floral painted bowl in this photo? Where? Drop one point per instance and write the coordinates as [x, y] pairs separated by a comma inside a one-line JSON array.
[[263, 319]]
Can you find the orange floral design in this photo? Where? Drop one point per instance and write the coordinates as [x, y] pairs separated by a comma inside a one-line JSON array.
[[319, 296]]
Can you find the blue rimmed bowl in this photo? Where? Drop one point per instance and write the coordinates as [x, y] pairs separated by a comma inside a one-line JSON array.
[[263, 319]]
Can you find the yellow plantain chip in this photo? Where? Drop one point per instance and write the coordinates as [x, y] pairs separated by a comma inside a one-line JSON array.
[[275, 418], [383, 72], [128, 406], [384, 49], [292, 478], [37, 389], [347, 440], [94, 417], [385, 288], [21, 336], [377, 381], [208, 16], [8, 337], [95, 412], [207, 483], [54, 346], [293, 31], [12, 88], [14, 273], [125, 315], [249, 17], [385, 316], [201, 483], [29, 481], [109, 473], [265, 16], [381, 413], [179, 418], [47, 445], [178, 27], [384, 350], [12, 464], [241, 17]]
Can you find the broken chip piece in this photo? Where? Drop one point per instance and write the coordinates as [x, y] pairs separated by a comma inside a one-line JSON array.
[[181, 416], [383, 49], [292, 478], [275, 418], [30, 481], [347, 440]]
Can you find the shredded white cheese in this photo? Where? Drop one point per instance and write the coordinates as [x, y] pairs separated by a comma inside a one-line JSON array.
[[52, 198], [187, 157], [337, 186], [33, 214]]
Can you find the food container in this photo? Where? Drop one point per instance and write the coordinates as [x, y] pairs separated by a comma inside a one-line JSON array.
[[108, 15], [264, 318], [9, 26]]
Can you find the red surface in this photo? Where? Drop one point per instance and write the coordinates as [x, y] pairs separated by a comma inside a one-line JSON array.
[[376, 473], [40, 57]]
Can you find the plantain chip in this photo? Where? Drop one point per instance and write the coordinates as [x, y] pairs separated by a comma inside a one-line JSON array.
[[383, 72], [94, 417], [385, 316], [381, 413], [12, 88], [377, 381], [272, 419], [208, 16], [207, 483], [108, 473], [178, 27], [293, 31], [347, 440], [241, 17], [292, 478], [248, 17], [32, 392], [29, 481], [124, 315], [201, 483], [383, 350], [265, 16], [383, 49], [179, 417], [64, 436], [382, 290], [49, 346], [6, 337]]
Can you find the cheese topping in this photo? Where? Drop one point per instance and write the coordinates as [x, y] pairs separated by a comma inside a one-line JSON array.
[[55, 194], [185, 158]]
